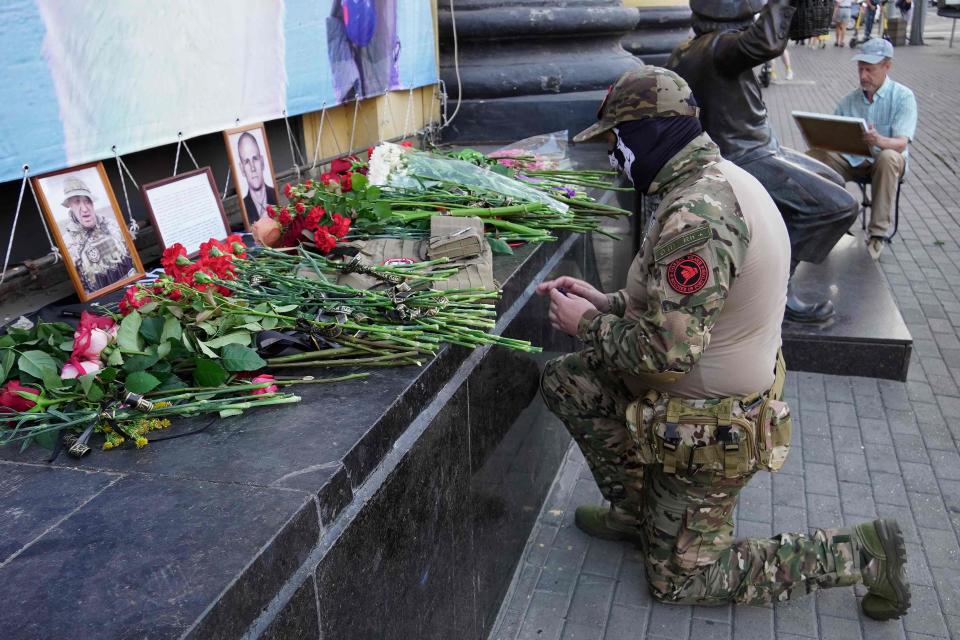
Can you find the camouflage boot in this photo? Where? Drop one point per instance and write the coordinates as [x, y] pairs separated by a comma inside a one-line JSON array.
[[607, 523], [883, 556]]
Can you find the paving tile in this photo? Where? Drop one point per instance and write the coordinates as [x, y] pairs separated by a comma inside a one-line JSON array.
[[631, 589], [843, 415], [576, 631], [941, 548], [821, 479], [669, 621], [544, 618], [929, 511], [798, 617], [857, 500], [709, 630], [823, 511], [591, 601], [839, 628], [839, 603], [752, 623], [603, 558], [626, 622], [789, 490], [919, 477], [888, 488], [889, 630], [925, 615]]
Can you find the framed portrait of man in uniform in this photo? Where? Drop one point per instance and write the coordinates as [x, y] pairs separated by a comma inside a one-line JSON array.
[[87, 225], [252, 170]]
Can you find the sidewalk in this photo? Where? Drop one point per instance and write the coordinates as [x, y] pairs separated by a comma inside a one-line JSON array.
[[862, 448]]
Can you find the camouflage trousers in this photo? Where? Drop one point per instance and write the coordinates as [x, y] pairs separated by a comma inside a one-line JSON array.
[[685, 519]]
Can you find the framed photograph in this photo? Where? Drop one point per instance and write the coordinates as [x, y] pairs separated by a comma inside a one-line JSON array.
[[89, 229], [252, 170], [186, 209]]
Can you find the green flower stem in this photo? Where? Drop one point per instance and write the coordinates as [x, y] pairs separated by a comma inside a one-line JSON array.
[[348, 363]]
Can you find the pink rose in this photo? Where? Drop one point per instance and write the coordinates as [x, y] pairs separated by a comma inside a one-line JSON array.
[[77, 368], [262, 378], [92, 336], [267, 232]]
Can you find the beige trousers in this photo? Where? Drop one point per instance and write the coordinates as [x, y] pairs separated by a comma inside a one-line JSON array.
[[884, 173]]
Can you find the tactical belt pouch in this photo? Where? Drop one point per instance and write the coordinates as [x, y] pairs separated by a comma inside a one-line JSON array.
[[726, 437], [455, 237]]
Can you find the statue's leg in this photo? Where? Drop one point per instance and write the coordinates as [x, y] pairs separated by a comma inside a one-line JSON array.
[[816, 210]]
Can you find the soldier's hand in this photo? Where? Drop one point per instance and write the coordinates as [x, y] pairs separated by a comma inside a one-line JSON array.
[[566, 311], [578, 288]]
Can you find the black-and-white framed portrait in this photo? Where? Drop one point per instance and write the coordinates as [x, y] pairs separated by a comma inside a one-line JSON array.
[[252, 170]]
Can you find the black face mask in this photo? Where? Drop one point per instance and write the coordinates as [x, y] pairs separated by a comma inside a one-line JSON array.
[[644, 146]]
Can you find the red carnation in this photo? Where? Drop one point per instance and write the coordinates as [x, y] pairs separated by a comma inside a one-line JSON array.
[[340, 226], [406, 143], [300, 207], [284, 217], [313, 218], [324, 241], [287, 189], [308, 184], [341, 165], [271, 211], [11, 401], [346, 181]]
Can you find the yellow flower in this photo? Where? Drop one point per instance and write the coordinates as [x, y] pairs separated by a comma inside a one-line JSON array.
[[141, 442], [161, 405]]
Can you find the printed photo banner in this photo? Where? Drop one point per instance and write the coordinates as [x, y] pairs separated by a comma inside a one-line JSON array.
[[84, 76]]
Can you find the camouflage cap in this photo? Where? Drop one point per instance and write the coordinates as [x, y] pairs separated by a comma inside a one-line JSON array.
[[75, 187], [644, 92]]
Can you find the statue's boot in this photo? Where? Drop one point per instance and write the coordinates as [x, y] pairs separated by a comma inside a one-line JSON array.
[[800, 311]]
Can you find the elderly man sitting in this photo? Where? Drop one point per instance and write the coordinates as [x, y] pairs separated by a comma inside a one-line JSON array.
[[890, 110]]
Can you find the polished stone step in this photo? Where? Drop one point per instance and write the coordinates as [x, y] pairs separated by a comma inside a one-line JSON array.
[[867, 336]]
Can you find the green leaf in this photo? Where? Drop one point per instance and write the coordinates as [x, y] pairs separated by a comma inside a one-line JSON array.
[[141, 382], [209, 327], [238, 358], [229, 413], [252, 326], [38, 364], [269, 323], [171, 330], [47, 439], [358, 181], [209, 373], [6, 363], [6, 342], [499, 247], [163, 349], [284, 308], [128, 337], [66, 345], [115, 359], [86, 381], [381, 210], [95, 394], [237, 337], [205, 350], [108, 375], [141, 363], [373, 193], [172, 383], [151, 328]]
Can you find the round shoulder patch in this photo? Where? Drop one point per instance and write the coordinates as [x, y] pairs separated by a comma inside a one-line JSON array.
[[688, 274]]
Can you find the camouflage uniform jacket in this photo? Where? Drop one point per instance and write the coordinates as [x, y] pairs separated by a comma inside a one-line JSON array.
[[661, 321], [99, 254]]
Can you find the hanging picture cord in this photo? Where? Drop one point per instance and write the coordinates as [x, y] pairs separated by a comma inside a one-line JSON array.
[[316, 147], [121, 169], [182, 143], [54, 249], [353, 128], [456, 71], [295, 153], [16, 218], [407, 117]]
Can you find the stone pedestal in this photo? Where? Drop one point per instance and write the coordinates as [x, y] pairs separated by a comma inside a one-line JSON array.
[[658, 31], [529, 67]]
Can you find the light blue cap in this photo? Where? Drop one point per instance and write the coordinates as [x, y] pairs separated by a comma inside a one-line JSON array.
[[874, 50]]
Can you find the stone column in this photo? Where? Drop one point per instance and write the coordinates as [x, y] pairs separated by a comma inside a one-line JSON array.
[[529, 66]]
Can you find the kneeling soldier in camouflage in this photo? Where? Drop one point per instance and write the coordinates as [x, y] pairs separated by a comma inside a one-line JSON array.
[[676, 400]]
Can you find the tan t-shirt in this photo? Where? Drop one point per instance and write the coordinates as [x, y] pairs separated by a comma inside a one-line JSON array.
[[741, 355]]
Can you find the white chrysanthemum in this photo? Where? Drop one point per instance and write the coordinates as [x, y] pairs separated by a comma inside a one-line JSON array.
[[386, 159]]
